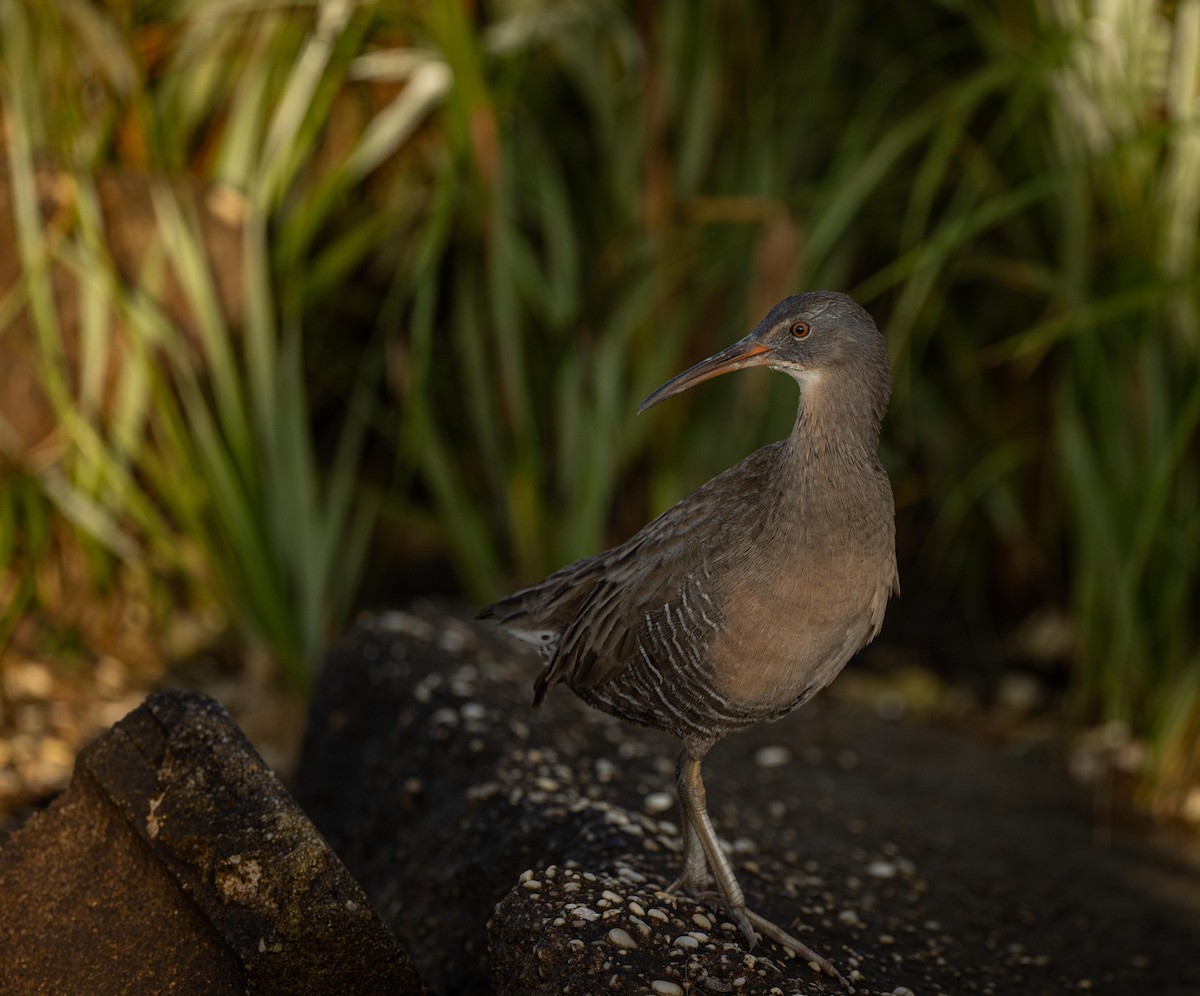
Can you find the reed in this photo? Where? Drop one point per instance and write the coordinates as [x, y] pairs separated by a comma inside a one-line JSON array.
[[492, 239]]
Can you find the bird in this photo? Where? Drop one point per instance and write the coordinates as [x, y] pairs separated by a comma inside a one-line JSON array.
[[746, 598]]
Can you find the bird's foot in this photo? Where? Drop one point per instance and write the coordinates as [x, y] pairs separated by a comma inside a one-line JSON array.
[[771, 931], [749, 922], [689, 886]]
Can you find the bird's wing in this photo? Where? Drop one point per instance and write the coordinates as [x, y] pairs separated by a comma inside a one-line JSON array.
[[659, 593], [538, 614], [644, 606]]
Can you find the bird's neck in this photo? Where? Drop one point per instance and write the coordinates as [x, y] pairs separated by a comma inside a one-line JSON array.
[[834, 442]]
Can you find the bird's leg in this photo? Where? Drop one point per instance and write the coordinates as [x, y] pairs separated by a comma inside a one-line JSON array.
[[694, 879], [692, 797], [693, 801]]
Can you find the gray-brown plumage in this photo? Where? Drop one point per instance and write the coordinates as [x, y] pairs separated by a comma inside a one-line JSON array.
[[747, 597]]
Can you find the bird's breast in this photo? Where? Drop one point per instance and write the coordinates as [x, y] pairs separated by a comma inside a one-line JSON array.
[[793, 624]]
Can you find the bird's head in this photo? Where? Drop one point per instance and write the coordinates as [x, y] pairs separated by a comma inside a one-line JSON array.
[[823, 339]]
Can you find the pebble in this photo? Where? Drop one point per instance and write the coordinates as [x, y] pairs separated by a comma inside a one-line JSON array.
[[28, 680], [621, 938], [772, 757], [8, 782], [612, 897], [110, 675], [686, 941], [444, 717], [658, 802], [29, 718], [881, 869], [58, 753], [664, 988], [48, 774], [701, 921], [404, 622], [657, 914], [636, 908]]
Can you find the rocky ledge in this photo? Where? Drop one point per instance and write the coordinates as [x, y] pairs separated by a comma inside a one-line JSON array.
[[475, 845], [522, 851], [177, 862]]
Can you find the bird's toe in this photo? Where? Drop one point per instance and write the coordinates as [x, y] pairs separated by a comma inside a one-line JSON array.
[[784, 939], [691, 885], [743, 921]]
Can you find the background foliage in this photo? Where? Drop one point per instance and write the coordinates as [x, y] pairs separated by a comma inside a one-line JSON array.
[[463, 240]]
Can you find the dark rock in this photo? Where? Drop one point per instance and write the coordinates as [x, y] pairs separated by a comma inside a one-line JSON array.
[[917, 859], [177, 862], [566, 930]]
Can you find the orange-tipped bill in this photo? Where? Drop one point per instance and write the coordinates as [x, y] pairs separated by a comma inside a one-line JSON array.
[[748, 352]]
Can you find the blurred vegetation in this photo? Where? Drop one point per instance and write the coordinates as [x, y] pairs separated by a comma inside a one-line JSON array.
[[468, 238]]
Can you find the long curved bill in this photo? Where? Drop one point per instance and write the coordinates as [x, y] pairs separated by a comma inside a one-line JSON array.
[[748, 352]]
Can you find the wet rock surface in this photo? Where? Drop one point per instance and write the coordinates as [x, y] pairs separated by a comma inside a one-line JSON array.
[[523, 851], [177, 862], [589, 933]]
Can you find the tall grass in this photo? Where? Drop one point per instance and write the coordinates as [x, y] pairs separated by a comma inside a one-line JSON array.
[[521, 224], [177, 441], [1127, 104]]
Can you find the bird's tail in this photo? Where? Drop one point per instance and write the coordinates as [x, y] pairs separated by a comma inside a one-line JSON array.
[[541, 686], [539, 614]]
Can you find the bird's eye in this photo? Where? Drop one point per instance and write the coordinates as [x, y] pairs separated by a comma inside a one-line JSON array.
[[800, 330]]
